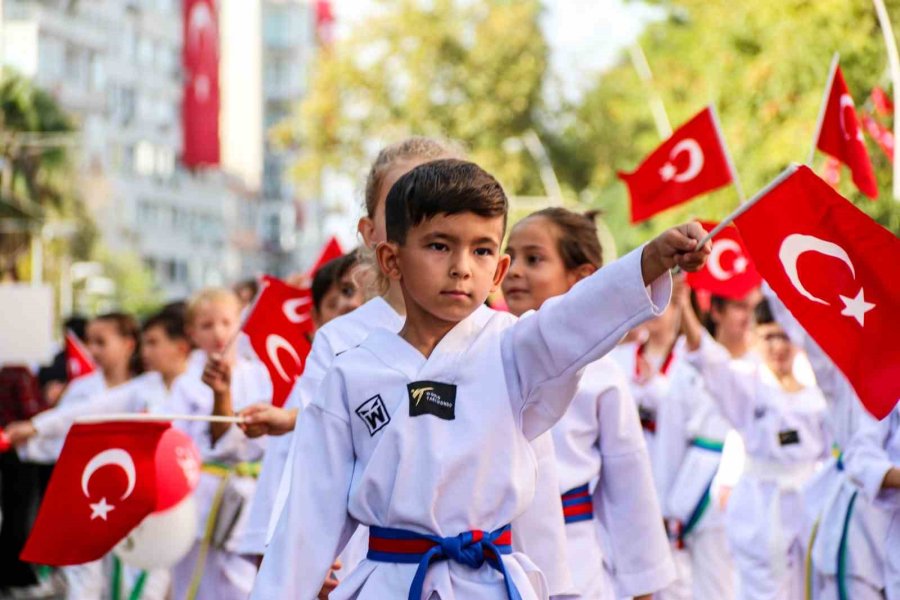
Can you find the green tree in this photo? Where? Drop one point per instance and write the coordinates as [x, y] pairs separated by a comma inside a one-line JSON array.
[[472, 71], [763, 64]]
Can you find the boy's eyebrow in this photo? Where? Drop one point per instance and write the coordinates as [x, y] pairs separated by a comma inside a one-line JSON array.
[[440, 235]]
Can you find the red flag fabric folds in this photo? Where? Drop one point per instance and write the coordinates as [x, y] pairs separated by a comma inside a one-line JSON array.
[[690, 163], [836, 271], [109, 477], [279, 328], [841, 137]]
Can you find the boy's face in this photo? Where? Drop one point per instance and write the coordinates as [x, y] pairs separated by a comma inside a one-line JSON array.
[[777, 350], [215, 324], [448, 265], [342, 297], [162, 353]]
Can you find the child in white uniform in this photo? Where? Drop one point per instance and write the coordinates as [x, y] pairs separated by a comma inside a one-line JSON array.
[[538, 530], [873, 461], [164, 349], [783, 425], [847, 551], [424, 434], [214, 569], [599, 437]]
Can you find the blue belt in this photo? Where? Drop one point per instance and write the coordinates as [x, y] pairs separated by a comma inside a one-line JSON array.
[[708, 444], [470, 548]]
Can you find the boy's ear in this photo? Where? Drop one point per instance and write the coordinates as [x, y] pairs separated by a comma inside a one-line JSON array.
[[366, 228], [388, 257], [583, 271], [502, 270]]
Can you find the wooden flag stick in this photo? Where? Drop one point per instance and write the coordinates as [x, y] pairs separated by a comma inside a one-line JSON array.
[[831, 71], [144, 417]]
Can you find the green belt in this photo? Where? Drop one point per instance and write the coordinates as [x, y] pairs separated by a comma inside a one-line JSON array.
[[138, 588], [710, 444], [242, 469]]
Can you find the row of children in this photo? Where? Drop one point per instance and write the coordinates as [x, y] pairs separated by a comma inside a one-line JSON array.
[[181, 361], [430, 435]]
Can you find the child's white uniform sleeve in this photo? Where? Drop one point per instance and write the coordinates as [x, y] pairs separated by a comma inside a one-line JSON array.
[[540, 532], [314, 525], [544, 351], [732, 384], [867, 461], [56, 422], [625, 498], [670, 445]]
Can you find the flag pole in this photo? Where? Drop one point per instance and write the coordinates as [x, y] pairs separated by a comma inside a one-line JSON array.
[[657, 107], [250, 309], [735, 179], [147, 417], [747, 205], [890, 43], [831, 71]]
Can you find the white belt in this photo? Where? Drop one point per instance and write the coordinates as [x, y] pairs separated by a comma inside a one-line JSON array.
[[787, 476]]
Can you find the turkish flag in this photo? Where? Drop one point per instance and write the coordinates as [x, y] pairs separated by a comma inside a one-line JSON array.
[[108, 478], [836, 270], [881, 134], [729, 272], [200, 97], [882, 102], [841, 137], [279, 327], [78, 359], [331, 250], [5, 443], [691, 162]]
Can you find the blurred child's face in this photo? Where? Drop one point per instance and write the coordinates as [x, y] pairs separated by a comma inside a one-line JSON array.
[[342, 297], [448, 265], [733, 321], [374, 230], [777, 350], [215, 324], [161, 353], [536, 269], [109, 349]]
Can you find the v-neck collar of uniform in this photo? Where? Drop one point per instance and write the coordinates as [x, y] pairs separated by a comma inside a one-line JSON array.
[[378, 309], [400, 355]]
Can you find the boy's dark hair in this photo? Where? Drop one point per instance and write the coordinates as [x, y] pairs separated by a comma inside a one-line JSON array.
[[127, 326], [78, 325], [446, 186], [331, 273], [762, 314], [170, 321]]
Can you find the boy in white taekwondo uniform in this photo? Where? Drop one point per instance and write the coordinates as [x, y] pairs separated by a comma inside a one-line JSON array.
[[164, 348], [432, 453], [873, 462], [535, 532], [784, 427], [847, 553]]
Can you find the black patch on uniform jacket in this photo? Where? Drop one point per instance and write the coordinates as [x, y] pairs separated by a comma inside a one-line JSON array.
[[788, 437], [374, 414], [432, 398]]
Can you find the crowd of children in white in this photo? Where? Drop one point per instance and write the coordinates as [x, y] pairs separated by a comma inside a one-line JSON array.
[[599, 438]]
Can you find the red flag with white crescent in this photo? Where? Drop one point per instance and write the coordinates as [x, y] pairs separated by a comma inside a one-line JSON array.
[[331, 250], [690, 163], [78, 359], [729, 272], [279, 327], [836, 271], [841, 136], [108, 478], [883, 136], [200, 97]]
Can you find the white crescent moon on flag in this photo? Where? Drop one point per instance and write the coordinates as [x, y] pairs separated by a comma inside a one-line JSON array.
[[847, 102], [291, 310], [794, 245], [715, 266], [113, 456], [695, 161], [199, 19], [274, 343]]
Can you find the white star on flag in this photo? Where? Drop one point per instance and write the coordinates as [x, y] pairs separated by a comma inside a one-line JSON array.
[[667, 172], [856, 307], [101, 509]]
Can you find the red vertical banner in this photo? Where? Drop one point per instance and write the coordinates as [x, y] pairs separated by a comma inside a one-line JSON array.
[[200, 104]]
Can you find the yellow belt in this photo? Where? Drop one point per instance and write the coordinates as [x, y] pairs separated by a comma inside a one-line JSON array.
[[242, 469]]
